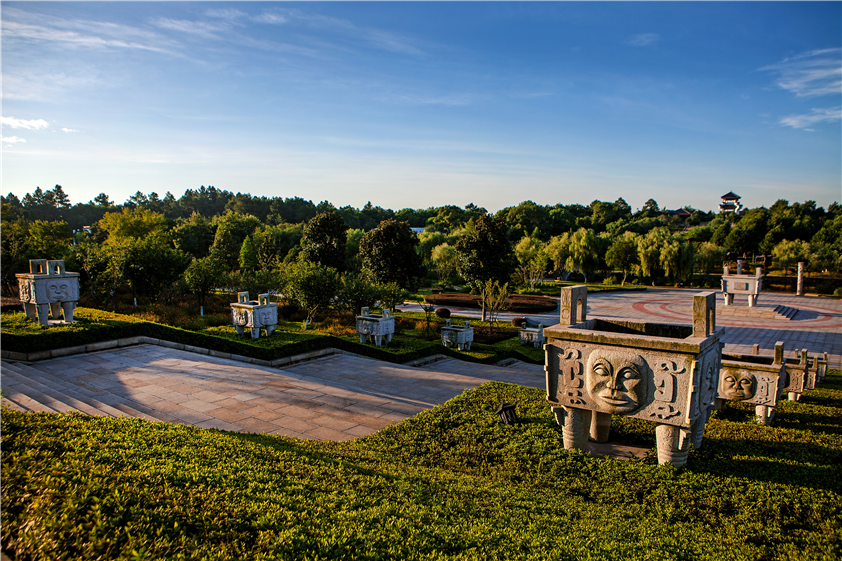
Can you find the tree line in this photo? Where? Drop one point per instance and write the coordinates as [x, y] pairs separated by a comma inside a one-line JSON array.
[[158, 248]]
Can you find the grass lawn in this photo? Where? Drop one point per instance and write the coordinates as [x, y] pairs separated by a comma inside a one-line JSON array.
[[449, 483]]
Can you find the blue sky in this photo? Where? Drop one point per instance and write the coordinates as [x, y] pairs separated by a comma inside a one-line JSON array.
[[425, 104]]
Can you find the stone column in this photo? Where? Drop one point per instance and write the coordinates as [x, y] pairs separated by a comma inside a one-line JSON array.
[[573, 304], [43, 313], [575, 425], [704, 314], [739, 266], [55, 310], [67, 309], [30, 311], [800, 290], [673, 445], [600, 426]]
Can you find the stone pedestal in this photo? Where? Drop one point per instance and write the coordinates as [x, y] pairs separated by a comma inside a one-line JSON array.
[[48, 291], [376, 326], [741, 284], [754, 379], [533, 335], [457, 336], [254, 315], [664, 373]]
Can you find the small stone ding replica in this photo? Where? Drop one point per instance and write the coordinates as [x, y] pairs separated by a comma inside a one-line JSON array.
[[459, 336], [659, 372], [48, 291], [254, 315], [754, 379], [376, 326], [534, 335], [742, 284]]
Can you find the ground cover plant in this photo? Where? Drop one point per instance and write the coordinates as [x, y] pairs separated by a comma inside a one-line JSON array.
[[451, 482]]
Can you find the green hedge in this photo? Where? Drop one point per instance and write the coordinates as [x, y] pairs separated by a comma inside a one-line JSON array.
[[93, 326], [449, 483]]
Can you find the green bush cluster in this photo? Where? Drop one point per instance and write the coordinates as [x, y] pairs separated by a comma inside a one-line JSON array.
[[451, 482]]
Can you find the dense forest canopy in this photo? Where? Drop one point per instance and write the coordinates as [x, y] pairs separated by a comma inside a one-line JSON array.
[[152, 243]]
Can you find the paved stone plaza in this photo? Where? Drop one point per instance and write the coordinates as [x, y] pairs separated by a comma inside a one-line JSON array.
[[344, 396]]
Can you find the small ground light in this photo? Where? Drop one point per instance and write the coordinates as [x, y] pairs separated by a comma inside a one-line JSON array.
[[507, 414]]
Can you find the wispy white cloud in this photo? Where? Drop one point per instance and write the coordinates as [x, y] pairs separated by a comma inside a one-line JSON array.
[[32, 124], [643, 39], [816, 116], [65, 129], [378, 38], [192, 27], [226, 13], [270, 17], [809, 74], [11, 139], [23, 26]]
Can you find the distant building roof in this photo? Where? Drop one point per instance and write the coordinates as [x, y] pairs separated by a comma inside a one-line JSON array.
[[730, 196], [680, 212]]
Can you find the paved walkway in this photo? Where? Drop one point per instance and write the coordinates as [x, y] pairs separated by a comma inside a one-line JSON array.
[[817, 327], [343, 396], [335, 398]]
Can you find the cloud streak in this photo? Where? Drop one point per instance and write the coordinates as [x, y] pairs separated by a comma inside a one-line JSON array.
[[804, 122], [810, 74], [33, 124], [643, 39], [11, 139]]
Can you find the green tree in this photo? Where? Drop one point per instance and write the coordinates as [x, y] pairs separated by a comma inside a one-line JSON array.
[[324, 240], [352, 249], [787, 253], [153, 266], [677, 258], [485, 253], [623, 254], [649, 249], [274, 242], [312, 286], [248, 255], [49, 240], [558, 248], [709, 257], [132, 224], [14, 247], [532, 260], [746, 236], [355, 293], [388, 254], [444, 261], [202, 276], [194, 236], [231, 231], [586, 251], [391, 295]]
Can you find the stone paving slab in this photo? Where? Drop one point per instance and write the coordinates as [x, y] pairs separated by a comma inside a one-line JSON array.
[[338, 398]]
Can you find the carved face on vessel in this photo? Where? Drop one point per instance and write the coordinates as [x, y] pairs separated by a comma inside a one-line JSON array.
[[58, 291], [617, 381], [737, 386]]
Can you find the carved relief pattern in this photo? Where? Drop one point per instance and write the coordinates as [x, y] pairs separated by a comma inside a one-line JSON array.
[[25, 291], [571, 379], [239, 317]]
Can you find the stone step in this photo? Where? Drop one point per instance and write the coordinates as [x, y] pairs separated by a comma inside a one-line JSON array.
[[786, 311], [36, 383], [779, 312], [33, 390]]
